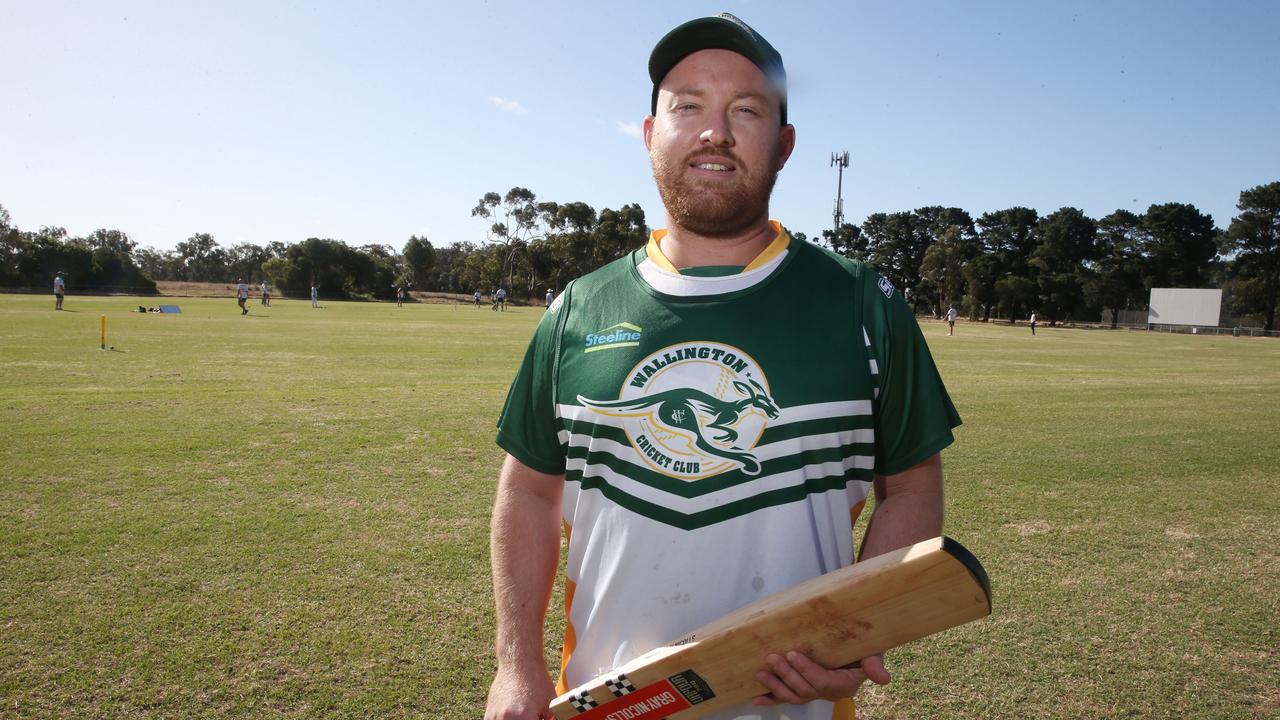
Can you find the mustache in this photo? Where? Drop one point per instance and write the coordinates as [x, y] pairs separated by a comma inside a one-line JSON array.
[[703, 155]]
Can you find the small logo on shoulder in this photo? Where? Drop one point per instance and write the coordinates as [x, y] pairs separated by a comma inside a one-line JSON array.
[[886, 287], [616, 336]]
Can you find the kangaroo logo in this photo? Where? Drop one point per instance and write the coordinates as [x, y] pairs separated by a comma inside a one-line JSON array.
[[694, 410]]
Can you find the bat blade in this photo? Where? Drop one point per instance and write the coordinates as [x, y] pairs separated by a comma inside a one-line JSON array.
[[836, 619]]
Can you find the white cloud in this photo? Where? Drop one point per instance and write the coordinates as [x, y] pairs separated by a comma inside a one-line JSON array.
[[510, 106], [630, 129]]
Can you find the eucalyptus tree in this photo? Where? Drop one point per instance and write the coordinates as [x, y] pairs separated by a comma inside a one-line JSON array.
[[419, 259], [942, 269], [201, 259], [1115, 277], [1179, 244], [1065, 242], [896, 244], [847, 240], [1254, 241], [515, 220], [1008, 237]]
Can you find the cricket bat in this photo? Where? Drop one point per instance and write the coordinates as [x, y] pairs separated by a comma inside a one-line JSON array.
[[835, 619]]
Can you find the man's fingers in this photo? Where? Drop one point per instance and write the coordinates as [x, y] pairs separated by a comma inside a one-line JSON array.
[[825, 683], [875, 670], [796, 679], [785, 682]]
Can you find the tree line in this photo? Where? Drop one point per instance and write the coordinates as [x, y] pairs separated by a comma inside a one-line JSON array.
[[1003, 264], [1066, 265], [102, 260], [529, 247]]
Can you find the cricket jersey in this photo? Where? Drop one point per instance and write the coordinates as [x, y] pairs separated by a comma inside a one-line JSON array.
[[718, 436]]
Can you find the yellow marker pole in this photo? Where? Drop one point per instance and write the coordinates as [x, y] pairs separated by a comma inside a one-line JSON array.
[[104, 333]]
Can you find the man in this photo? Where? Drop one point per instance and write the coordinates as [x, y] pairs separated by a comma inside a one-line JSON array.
[[703, 422], [550, 296], [242, 295], [951, 320], [500, 299], [1033, 323], [476, 297], [315, 296], [59, 289], [400, 296], [266, 294]]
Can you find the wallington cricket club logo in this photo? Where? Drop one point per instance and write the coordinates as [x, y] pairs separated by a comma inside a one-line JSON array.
[[694, 410]]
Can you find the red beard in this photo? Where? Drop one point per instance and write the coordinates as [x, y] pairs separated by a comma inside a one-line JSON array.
[[712, 209]]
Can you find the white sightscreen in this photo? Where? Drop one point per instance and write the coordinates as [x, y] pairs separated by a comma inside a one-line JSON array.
[[1185, 306]]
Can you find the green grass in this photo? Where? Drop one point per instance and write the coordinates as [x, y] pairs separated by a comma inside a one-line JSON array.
[[286, 515]]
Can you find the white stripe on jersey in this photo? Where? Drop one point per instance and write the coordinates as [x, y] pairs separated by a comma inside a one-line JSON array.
[[762, 453], [770, 451], [665, 281], [786, 416], [818, 411], [875, 369], [741, 491]]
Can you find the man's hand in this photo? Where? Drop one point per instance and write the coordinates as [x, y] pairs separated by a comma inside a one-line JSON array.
[[523, 695], [796, 679], [908, 510]]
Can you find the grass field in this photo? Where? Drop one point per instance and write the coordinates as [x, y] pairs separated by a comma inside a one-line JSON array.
[[286, 515]]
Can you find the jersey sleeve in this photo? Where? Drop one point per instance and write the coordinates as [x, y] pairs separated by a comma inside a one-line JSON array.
[[528, 426], [914, 415]]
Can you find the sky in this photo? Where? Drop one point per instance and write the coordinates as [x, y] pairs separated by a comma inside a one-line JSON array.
[[371, 122]]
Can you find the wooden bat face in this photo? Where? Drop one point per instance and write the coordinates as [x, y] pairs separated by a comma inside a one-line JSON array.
[[836, 619]]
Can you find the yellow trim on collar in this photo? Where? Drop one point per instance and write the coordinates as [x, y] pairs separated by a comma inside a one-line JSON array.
[[655, 252], [776, 248], [779, 245]]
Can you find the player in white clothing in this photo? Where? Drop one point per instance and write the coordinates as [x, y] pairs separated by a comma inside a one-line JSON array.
[[59, 289]]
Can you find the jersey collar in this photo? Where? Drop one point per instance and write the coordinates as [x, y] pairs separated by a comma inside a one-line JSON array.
[[663, 276]]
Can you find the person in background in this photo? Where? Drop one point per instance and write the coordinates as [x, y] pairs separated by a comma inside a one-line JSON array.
[[59, 289]]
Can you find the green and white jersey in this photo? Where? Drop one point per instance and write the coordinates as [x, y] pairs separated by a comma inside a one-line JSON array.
[[718, 436]]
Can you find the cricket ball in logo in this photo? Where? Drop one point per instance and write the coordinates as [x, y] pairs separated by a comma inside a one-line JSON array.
[[694, 410]]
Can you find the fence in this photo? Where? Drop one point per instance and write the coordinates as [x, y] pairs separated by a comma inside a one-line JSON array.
[[1235, 326], [1235, 330], [1137, 320]]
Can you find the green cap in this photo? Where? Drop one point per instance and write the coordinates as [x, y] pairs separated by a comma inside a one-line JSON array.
[[721, 32]]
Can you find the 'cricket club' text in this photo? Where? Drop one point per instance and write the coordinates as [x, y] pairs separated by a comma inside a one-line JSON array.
[[680, 466]]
